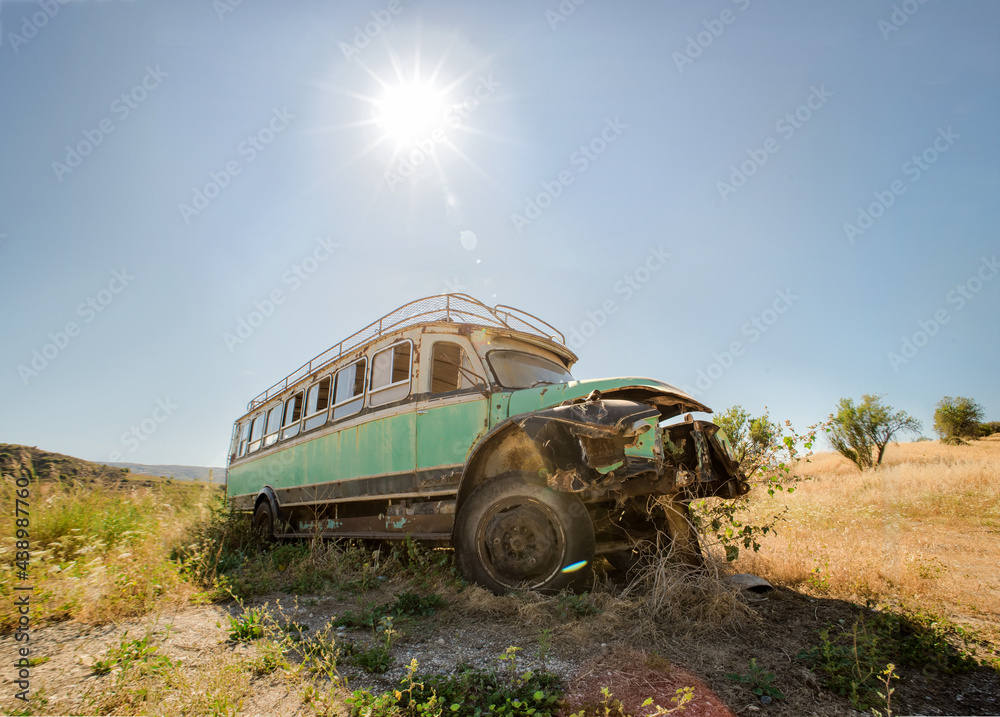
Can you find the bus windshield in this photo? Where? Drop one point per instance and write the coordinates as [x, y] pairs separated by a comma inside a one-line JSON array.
[[518, 369]]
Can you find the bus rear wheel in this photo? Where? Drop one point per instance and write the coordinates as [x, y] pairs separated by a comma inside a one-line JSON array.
[[263, 521]]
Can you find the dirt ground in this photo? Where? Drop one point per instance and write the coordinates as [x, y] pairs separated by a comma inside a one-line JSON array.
[[588, 652]]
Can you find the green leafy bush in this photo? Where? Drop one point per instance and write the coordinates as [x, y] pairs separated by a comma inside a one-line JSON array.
[[851, 662], [766, 452], [407, 604], [251, 625], [467, 692], [137, 654], [758, 680]]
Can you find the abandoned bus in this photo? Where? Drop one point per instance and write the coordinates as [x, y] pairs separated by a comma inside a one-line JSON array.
[[460, 424]]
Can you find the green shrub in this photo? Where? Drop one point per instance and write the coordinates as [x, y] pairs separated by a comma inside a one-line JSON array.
[[407, 604], [851, 662], [758, 680], [571, 606], [468, 691], [136, 654], [251, 625]]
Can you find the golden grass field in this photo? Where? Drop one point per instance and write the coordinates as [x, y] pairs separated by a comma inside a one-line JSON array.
[[924, 529]]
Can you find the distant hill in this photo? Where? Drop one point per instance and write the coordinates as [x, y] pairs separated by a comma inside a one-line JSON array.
[[17, 460], [200, 473]]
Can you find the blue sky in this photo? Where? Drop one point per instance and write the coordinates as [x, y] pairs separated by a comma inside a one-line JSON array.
[[774, 204]]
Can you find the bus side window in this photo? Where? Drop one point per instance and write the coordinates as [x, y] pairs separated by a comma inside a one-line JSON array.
[[446, 358], [235, 445], [390, 380], [244, 438], [317, 404], [256, 431], [293, 414], [273, 424], [350, 393]]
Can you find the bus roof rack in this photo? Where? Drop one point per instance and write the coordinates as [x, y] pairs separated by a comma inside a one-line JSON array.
[[457, 308]]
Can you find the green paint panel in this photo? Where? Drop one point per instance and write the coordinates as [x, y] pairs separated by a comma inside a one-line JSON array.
[[645, 444], [382, 445], [499, 407], [401, 443], [534, 399], [446, 434]]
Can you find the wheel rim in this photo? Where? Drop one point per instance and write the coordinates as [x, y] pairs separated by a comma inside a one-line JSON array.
[[521, 543], [262, 523]]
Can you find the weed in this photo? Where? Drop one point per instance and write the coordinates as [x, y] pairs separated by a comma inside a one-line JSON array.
[[322, 648], [570, 606], [759, 680], [251, 625], [468, 691], [133, 654], [413, 605], [850, 662], [269, 657], [406, 605], [818, 576], [611, 707], [375, 659], [847, 663], [387, 631], [544, 645], [509, 658], [888, 675]]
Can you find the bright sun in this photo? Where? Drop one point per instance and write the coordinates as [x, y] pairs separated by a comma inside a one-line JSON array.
[[409, 112]]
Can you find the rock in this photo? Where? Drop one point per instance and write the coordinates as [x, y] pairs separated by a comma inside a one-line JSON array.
[[86, 660], [765, 699]]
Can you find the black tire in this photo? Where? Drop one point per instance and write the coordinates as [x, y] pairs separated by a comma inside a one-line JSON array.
[[512, 534], [263, 521]]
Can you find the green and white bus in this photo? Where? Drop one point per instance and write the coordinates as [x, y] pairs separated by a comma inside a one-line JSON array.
[[460, 424]]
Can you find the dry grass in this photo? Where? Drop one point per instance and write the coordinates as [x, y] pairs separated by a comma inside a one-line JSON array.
[[101, 554], [921, 530]]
